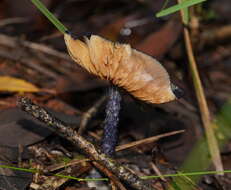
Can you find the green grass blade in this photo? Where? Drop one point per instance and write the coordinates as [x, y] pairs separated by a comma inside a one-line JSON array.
[[49, 15], [58, 175], [199, 173], [178, 7], [185, 14], [19, 169], [164, 5]]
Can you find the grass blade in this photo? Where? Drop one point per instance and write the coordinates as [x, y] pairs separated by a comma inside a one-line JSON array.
[[178, 7], [49, 15], [58, 175], [199, 173]]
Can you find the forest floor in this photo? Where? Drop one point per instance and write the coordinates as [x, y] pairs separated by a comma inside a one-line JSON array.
[[33, 50]]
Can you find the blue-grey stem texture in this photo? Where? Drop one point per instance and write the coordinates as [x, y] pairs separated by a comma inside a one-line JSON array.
[[110, 136]]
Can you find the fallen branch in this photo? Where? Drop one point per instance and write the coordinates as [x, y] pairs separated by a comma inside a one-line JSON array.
[[90, 150]]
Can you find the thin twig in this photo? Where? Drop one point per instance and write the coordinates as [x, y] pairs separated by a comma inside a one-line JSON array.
[[30, 62], [54, 182], [59, 166], [22, 50], [156, 169], [147, 140], [110, 175], [13, 42], [15, 20], [88, 149], [89, 114]]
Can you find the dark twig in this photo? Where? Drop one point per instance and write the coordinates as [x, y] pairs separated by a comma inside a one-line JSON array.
[[89, 114], [111, 122], [88, 149]]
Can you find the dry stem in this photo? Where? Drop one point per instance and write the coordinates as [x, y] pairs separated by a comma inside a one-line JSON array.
[[205, 115]]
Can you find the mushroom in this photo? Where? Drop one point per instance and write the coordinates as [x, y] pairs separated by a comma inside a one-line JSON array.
[[139, 74]]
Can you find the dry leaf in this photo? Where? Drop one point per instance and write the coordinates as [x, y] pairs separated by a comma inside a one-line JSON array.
[[12, 84]]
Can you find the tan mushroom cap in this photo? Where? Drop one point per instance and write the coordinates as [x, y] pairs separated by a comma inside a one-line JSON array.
[[141, 75]]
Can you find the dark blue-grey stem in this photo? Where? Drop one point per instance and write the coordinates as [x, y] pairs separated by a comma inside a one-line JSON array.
[[110, 135]]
